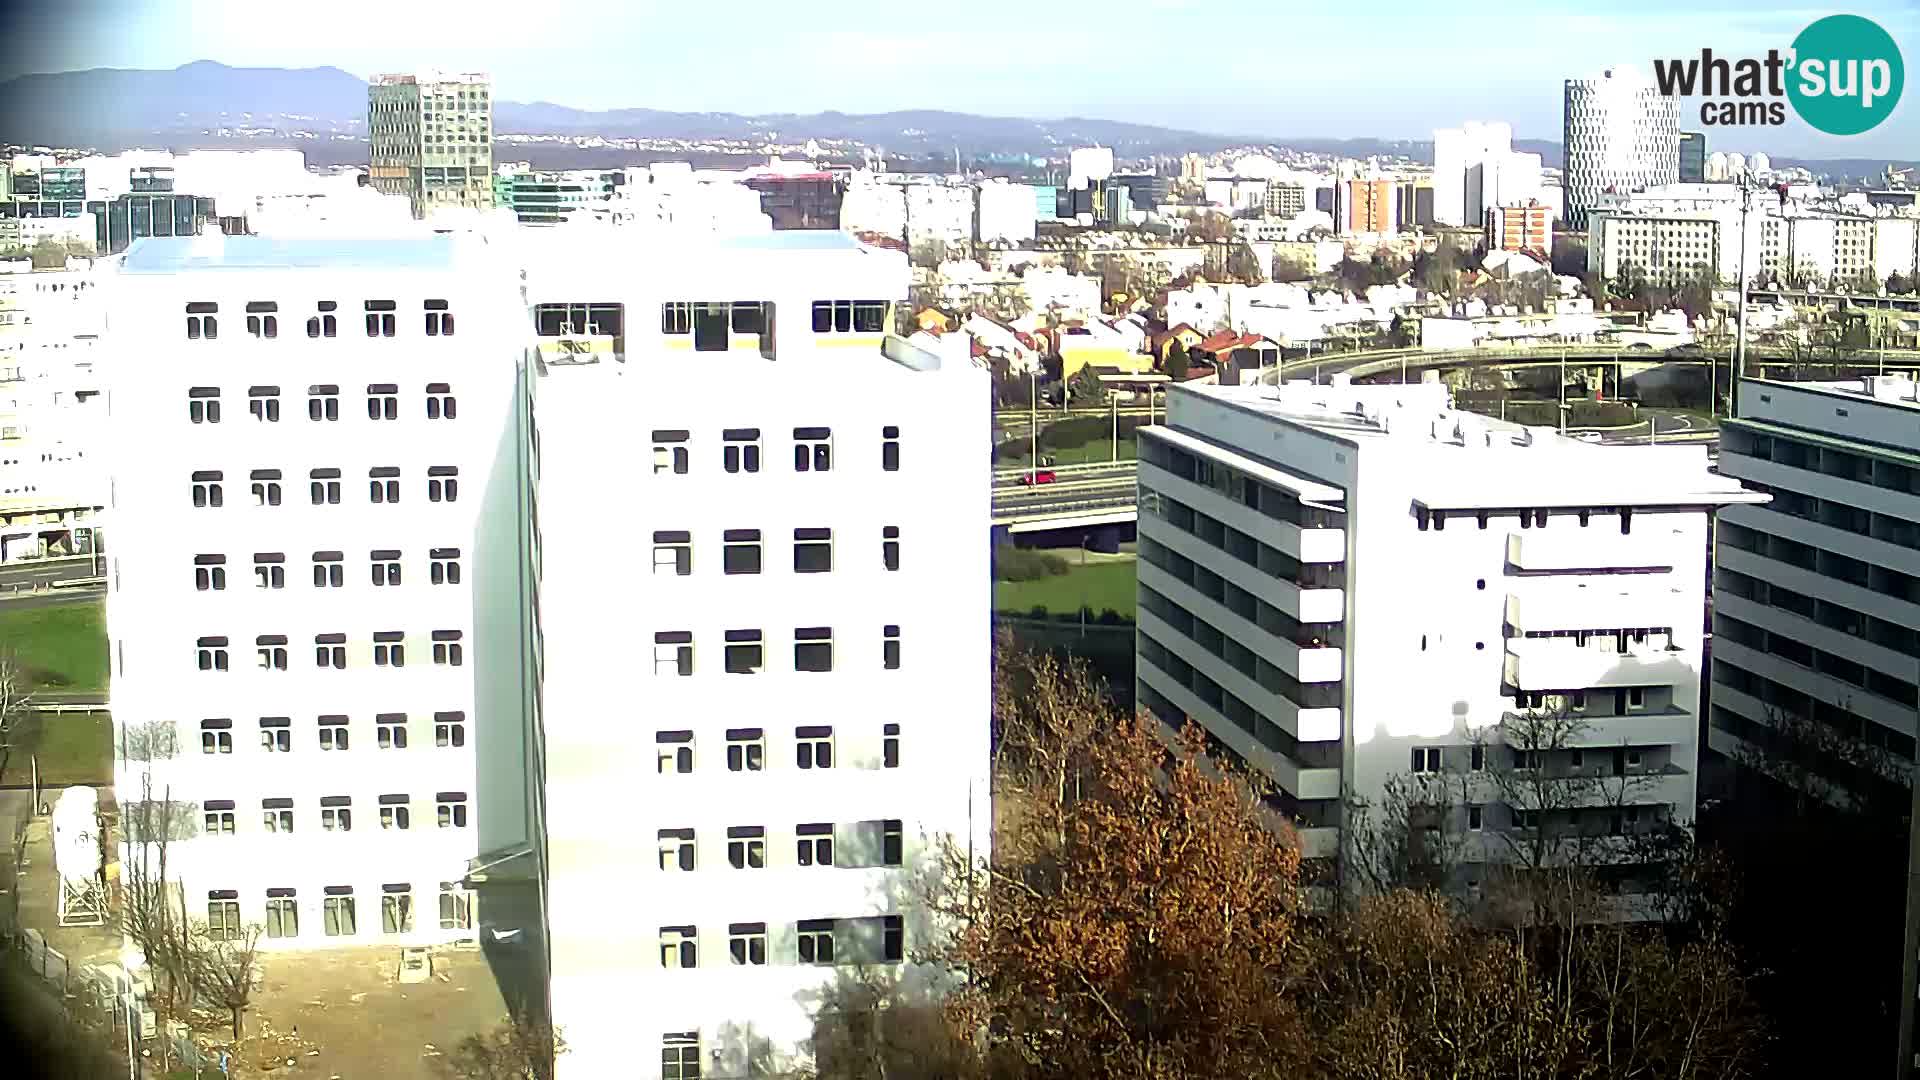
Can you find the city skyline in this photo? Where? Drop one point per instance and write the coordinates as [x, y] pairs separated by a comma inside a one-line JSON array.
[[1444, 76]]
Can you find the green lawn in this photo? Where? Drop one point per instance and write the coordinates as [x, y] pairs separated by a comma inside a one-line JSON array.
[[1093, 453], [62, 646], [1098, 585], [72, 748]]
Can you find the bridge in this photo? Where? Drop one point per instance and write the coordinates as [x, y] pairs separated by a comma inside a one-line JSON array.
[[1082, 497]]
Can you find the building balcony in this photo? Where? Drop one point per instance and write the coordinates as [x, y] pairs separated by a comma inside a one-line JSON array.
[[1311, 545], [1556, 664], [1646, 727], [1591, 550], [1319, 843], [1645, 601]]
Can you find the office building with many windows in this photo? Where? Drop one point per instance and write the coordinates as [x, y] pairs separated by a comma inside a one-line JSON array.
[[1621, 134], [1346, 584], [737, 798], [314, 625], [432, 139]]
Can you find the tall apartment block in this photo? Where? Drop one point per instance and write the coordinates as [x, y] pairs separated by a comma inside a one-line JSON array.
[[1347, 583], [596, 621], [312, 619], [431, 138], [763, 615]]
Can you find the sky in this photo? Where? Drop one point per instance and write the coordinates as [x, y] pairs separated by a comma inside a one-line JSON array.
[[1381, 69]]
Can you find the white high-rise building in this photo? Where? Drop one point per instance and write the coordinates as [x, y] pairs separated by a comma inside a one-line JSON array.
[[1463, 158], [310, 616], [1006, 213], [1816, 599], [1347, 583], [1621, 133], [737, 797]]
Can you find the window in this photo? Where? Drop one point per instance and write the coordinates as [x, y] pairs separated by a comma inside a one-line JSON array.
[[383, 402], [447, 650], [849, 316], [323, 403], [892, 842], [893, 939], [390, 731], [328, 571], [813, 648], [1479, 763], [439, 319], [670, 452], [745, 654], [1526, 819], [747, 943], [263, 403], [456, 907], [216, 737], [333, 732], [223, 916], [207, 489], [202, 321], [336, 813], [209, 572], [1474, 818], [443, 566], [813, 747], [814, 941], [1524, 760], [1426, 759], [741, 450], [336, 910], [673, 752], [219, 817], [890, 547], [203, 405], [276, 734], [673, 652], [380, 318], [389, 648], [271, 651], [395, 813], [443, 483], [676, 849], [450, 729], [890, 449], [747, 847], [812, 551], [676, 318], [324, 488], [679, 947], [326, 323], [740, 551], [815, 844], [812, 449], [1636, 697], [440, 402], [269, 570], [890, 746], [450, 809], [277, 815], [890, 647], [1577, 700], [396, 909], [746, 750], [266, 487], [283, 914], [211, 653], [383, 484], [680, 1054]]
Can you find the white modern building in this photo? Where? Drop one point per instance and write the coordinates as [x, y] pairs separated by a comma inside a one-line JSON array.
[[1467, 162], [1347, 583], [314, 618], [1005, 214], [763, 717], [1621, 133], [1816, 599]]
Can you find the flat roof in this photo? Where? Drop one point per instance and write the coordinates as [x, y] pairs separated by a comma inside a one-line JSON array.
[[1851, 389], [1312, 491], [184, 254]]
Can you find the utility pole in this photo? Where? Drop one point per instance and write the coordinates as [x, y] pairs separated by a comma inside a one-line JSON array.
[[1115, 399], [1740, 340]]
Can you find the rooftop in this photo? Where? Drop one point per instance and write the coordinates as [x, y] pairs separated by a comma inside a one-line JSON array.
[[176, 255], [1896, 390]]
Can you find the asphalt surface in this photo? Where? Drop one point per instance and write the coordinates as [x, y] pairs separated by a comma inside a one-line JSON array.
[[40, 573]]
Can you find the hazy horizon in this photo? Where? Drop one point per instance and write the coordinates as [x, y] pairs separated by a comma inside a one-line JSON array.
[[1284, 74]]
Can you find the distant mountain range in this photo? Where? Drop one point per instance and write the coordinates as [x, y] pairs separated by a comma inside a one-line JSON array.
[[210, 104]]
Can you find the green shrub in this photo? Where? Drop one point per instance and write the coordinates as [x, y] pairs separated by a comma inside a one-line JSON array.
[[1020, 564]]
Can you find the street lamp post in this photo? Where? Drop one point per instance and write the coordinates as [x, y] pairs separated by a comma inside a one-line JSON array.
[[1033, 423], [1740, 331]]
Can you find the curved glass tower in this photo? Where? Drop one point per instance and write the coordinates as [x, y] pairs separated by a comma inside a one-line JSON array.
[[1621, 134]]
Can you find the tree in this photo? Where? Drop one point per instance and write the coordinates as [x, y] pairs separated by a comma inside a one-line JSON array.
[[929, 253], [1408, 838], [1175, 363], [1899, 283], [225, 966], [18, 728], [1209, 226], [517, 1049], [1085, 390], [1290, 270], [868, 1026], [152, 909], [49, 254]]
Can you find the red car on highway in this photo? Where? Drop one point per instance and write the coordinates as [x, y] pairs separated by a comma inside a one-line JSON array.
[[1042, 476]]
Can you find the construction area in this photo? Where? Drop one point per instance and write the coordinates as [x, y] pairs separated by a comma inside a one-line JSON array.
[[342, 1014]]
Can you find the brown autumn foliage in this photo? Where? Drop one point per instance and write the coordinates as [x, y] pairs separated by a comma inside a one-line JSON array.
[[1142, 917]]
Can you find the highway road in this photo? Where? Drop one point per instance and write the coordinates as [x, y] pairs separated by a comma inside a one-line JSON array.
[[46, 573]]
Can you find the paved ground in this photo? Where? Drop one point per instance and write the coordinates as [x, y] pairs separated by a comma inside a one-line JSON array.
[[14, 575], [13, 599]]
